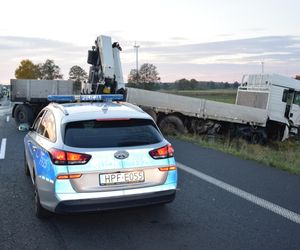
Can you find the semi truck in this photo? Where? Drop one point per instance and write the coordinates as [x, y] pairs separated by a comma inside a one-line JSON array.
[[267, 106]]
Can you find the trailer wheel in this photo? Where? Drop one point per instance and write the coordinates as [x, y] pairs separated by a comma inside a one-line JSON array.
[[172, 125], [259, 137], [23, 114]]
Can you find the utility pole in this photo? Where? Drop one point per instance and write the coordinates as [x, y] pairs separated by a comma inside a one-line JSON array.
[[136, 47]]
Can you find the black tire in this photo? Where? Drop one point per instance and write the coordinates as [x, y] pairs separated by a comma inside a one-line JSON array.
[[172, 125], [26, 168], [39, 211], [255, 138], [259, 137], [24, 114]]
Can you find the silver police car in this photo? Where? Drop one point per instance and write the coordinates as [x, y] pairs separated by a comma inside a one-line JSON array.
[[92, 156]]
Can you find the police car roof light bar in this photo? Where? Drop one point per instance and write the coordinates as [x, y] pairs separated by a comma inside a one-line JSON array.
[[85, 98], [107, 97], [61, 98]]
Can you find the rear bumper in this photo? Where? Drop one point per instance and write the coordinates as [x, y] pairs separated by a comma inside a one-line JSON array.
[[92, 205]]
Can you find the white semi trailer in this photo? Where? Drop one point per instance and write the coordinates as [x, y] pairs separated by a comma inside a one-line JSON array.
[[267, 106]]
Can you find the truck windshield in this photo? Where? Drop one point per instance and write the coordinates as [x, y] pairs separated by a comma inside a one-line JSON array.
[[105, 134]]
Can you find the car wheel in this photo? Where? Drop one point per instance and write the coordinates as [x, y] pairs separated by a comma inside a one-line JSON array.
[[26, 168], [40, 212]]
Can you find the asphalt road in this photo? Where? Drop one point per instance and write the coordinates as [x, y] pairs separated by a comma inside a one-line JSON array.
[[203, 216]]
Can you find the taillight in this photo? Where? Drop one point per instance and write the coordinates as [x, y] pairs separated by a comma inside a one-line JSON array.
[[164, 169], [68, 176], [60, 157], [76, 158], [162, 153]]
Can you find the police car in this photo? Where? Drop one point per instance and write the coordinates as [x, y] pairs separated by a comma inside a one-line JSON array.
[[97, 155]]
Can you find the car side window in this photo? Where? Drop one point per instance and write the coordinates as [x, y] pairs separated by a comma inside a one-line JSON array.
[[41, 128], [38, 120], [47, 126]]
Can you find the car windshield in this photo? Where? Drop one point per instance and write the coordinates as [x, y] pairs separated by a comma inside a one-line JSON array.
[[111, 133]]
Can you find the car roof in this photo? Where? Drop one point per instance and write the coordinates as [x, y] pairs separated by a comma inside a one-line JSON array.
[[96, 110]]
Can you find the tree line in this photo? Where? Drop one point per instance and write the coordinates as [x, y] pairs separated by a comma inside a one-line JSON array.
[[49, 71], [147, 77]]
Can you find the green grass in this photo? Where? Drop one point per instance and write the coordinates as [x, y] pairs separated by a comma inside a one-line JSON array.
[[282, 155], [219, 95]]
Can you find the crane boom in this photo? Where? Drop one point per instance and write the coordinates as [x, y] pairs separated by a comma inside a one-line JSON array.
[[105, 73]]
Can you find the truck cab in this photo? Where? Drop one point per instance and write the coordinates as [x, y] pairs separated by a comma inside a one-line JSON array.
[[278, 94], [292, 112]]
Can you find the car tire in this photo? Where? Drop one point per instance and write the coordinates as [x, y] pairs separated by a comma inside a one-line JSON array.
[[39, 211], [26, 168]]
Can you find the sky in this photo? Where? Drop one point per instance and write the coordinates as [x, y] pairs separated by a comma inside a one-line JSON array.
[[206, 40]]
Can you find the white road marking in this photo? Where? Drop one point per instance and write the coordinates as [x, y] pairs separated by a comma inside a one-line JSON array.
[[2, 149], [292, 216], [7, 118]]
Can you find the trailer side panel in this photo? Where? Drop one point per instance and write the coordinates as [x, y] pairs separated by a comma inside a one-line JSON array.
[[195, 107], [38, 90]]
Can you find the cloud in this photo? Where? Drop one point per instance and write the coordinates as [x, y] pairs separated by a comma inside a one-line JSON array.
[[226, 60], [223, 60], [15, 49], [272, 45], [15, 43], [178, 38]]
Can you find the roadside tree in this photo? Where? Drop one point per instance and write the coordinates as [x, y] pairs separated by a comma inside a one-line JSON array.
[[49, 70], [132, 80], [78, 75], [27, 70], [146, 78]]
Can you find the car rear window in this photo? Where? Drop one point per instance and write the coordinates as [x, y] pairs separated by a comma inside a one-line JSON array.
[[112, 133]]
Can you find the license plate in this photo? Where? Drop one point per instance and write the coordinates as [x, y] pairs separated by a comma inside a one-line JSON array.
[[122, 178]]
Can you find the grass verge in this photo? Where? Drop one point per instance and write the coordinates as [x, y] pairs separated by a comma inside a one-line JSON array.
[[282, 155]]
